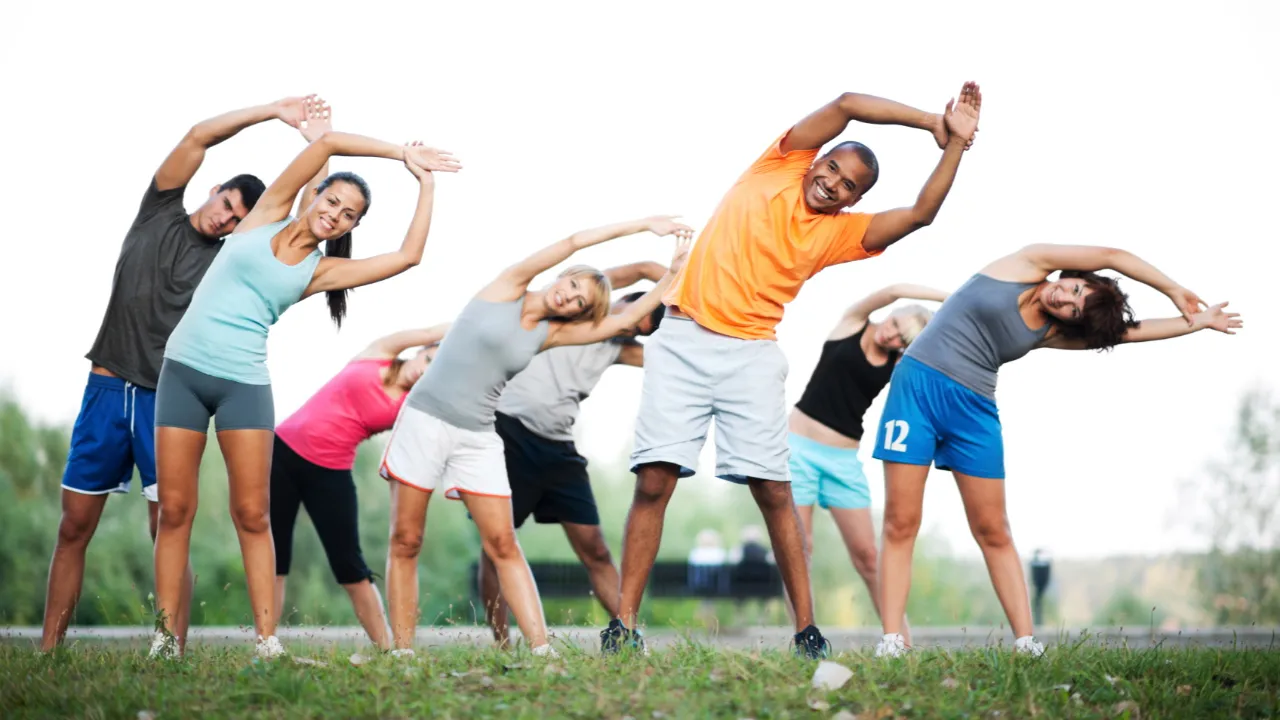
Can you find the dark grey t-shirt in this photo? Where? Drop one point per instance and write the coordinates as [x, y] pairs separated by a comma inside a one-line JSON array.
[[978, 329], [160, 265]]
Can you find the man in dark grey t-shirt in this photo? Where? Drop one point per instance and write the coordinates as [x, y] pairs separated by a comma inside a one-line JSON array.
[[165, 254]]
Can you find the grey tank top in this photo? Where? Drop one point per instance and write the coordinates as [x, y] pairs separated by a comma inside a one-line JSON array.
[[978, 329], [485, 347], [545, 396]]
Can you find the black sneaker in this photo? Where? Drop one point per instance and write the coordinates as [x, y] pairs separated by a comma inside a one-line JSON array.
[[616, 637], [810, 644]]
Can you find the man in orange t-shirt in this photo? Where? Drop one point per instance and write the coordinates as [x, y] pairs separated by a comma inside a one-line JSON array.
[[716, 355]]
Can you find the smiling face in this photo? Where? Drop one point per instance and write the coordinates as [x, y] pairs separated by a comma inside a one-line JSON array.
[[836, 181], [335, 211], [220, 214], [580, 293], [1064, 299]]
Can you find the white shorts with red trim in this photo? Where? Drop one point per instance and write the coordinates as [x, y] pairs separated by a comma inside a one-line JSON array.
[[429, 454]]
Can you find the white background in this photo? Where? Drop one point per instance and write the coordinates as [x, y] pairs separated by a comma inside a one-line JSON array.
[[1150, 126]]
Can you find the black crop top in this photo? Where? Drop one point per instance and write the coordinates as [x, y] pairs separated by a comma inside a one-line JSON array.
[[843, 385]]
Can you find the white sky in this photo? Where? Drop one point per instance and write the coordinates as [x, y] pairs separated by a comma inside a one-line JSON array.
[[1150, 126]]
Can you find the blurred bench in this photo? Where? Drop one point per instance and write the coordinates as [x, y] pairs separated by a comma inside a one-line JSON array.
[[746, 581]]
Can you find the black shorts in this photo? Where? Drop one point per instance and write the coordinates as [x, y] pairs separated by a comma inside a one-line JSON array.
[[330, 498], [548, 477]]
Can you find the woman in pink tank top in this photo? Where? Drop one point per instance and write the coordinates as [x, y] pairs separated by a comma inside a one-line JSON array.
[[315, 449]]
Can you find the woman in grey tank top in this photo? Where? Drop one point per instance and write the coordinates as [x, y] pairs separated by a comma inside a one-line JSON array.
[[229, 389], [444, 438], [941, 407]]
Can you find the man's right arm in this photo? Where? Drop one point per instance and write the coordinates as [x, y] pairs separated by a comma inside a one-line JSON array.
[[185, 159], [826, 123]]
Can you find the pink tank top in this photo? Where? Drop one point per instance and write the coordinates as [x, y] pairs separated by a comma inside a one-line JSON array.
[[349, 409]]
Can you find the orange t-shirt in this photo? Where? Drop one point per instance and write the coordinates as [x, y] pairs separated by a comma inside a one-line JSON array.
[[760, 246]]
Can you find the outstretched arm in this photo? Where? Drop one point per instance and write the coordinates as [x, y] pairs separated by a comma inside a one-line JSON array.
[[888, 227], [185, 159], [514, 281], [583, 333], [1215, 318], [860, 311], [274, 204], [827, 122], [318, 122], [392, 345], [1034, 263], [335, 273], [624, 276]]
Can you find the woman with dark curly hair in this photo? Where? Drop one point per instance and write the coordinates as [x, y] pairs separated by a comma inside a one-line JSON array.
[[942, 410]]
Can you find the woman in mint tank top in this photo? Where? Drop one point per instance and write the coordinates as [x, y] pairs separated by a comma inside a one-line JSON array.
[[941, 408], [444, 438], [215, 360]]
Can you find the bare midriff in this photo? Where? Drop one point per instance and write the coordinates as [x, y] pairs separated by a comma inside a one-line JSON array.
[[807, 427]]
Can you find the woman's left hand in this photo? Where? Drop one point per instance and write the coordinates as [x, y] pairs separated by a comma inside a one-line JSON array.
[[432, 159], [1216, 319]]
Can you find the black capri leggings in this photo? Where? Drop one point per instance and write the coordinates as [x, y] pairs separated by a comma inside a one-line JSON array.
[[330, 498]]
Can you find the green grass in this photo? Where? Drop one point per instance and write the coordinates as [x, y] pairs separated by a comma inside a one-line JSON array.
[[117, 681]]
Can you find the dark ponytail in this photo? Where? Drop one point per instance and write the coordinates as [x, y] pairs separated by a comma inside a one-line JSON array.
[[337, 299], [341, 247]]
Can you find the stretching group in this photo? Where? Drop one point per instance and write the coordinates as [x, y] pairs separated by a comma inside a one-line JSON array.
[[484, 410]]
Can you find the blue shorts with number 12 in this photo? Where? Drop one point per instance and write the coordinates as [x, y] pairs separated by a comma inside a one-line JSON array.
[[930, 418]]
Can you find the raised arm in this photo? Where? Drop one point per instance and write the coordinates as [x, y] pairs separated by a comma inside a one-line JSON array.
[[275, 202], [827, 122], [514, 281], [392, 345], [334, 273], [318, 122], [185, 159], [1034, 263], [583, 333], [860, 311], [1215, 318], [890, 226], [624, 276]]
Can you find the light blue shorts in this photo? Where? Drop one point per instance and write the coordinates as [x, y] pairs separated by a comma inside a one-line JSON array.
[[830, 477]]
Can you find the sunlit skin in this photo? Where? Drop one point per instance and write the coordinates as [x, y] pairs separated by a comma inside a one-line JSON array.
[[1064, 299], [836, 181], [335, 211], [220, 214]]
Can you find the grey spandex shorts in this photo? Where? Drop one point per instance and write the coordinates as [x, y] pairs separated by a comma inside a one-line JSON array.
[[186, 398]]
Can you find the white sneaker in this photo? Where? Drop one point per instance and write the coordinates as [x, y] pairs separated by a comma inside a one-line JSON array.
[[403, 653], [891, 645], [164, 646], [1028, 646], [269, 648], [546, 651]]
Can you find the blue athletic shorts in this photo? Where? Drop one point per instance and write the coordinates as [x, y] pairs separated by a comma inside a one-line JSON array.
[[830, 477], [930, 418], [114, 432]]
